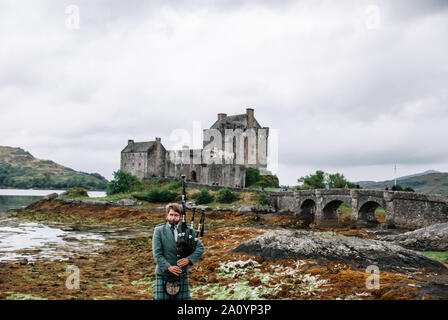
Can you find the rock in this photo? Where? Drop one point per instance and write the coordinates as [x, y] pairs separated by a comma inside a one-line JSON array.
[[432, 238], [87, 203], [51, 196], [128, 203], [332, 246], [199, 208], [263, 209], [246, 208]]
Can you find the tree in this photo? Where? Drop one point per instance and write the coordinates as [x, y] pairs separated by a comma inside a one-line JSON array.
[[338, 180], [313, 181], [320, 179], [123, 182]]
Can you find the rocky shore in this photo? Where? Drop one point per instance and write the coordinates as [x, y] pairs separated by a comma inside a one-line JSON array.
[[336, 247], [249, 255], [432, 238]]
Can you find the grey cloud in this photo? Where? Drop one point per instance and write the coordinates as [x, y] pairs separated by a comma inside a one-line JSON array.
[[340, 95]]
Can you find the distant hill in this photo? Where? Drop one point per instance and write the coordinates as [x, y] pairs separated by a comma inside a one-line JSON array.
[[431, 183], [418, 174], [19, 169]]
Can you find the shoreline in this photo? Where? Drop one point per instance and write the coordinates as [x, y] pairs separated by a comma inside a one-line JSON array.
[[125, 270]]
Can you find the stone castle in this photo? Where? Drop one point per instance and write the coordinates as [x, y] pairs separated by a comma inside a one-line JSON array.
[[232, 144]]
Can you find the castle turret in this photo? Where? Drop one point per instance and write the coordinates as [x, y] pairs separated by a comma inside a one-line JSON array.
[[250, 117], [131, 145], [160, 158]]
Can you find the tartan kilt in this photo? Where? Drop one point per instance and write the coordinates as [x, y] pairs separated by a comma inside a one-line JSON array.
[[160, 293]]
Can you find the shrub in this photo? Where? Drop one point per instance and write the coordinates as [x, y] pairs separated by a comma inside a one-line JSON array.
[[163, 195], [400, 188], [142, 196], [123, 182], [77, 192], [203, 197], [252, 176], [263, 199], [267, 181], [225, 195], [175, 184]]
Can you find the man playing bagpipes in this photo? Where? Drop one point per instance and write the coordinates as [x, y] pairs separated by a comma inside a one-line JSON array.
[[176, 247]]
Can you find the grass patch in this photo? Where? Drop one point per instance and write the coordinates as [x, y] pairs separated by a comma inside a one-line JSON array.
[[380, 212], [344, 210], [24, 296], [437, 255]]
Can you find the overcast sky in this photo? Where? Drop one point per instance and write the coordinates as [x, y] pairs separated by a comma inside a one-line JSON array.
[[350, 86]]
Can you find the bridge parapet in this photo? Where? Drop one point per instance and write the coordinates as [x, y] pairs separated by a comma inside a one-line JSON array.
[[418, 196], [331, 192], [367, 193], [403, 209], [304, 193]]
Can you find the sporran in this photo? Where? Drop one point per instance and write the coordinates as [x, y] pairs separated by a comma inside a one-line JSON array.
[[172, 286]]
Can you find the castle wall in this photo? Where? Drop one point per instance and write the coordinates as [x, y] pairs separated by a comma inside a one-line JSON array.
[[156, 161], [135, 163], [248, 145], [223, 174]]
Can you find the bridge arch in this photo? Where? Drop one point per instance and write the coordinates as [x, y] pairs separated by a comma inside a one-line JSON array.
[[330, 210], [367, 212], [307, 210]]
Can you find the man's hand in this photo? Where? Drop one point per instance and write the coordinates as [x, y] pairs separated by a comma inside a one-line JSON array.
[[183, 262], [175, 270]]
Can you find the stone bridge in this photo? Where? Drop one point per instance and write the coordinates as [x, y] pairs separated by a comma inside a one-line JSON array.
[[403, 209]]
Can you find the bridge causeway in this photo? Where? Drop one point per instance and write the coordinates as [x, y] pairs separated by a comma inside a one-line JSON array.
[[403, 209]]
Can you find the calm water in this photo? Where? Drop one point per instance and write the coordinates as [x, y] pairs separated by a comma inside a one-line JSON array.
[[32, 241], [16, 198], [57, 241], [54, 241]]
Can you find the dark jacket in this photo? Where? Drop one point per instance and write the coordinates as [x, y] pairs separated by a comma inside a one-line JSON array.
[[165, 252]]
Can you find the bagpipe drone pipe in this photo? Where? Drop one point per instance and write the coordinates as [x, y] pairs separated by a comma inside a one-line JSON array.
[[187, 240]]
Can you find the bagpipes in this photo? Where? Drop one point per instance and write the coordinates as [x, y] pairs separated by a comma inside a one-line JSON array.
[[186, 243]]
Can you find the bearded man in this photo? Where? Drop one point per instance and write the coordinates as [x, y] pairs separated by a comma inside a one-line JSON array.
[[172, 273]]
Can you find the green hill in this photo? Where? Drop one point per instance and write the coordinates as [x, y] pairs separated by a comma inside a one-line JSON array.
[[19, 169], [433, 183]]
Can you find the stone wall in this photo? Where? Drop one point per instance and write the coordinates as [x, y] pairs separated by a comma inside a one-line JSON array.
[[136, 163], [412, 211], [228, 175]]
